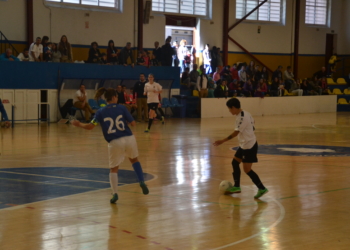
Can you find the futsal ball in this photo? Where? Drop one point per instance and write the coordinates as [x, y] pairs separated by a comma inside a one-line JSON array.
[[103, 105], [224, 185]]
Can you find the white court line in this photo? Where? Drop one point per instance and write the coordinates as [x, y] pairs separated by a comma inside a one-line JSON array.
[[50, 176], [281, 217]]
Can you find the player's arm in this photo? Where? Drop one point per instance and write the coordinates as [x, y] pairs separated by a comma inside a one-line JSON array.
[[87, 126], [231, 136], [133, 123]]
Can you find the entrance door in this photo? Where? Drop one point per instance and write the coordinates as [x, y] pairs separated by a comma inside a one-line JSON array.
[[330, 48]]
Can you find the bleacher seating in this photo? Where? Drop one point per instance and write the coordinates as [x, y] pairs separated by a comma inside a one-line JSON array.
[[337, 91], [330, 81], [343, 101], [341, 81]]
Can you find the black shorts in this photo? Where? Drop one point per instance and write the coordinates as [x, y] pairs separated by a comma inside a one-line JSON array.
[[248, 155], [153, 106]]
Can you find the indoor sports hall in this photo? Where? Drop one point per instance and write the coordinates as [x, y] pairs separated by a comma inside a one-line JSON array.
[[55, 189]]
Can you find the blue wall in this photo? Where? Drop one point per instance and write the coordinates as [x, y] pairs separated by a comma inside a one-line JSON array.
[[33, 75]]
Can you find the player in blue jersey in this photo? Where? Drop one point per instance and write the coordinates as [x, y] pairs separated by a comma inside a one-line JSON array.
[[114, 120]]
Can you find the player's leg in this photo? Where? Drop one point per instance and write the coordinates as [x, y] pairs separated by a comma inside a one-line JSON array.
[[132, 152], [152, 114], [116, 151], [255, 178], [236, 174], [113, 180]]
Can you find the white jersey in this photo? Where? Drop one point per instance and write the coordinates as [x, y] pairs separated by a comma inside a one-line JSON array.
[[245, 126], [79, 94], [149, 90]]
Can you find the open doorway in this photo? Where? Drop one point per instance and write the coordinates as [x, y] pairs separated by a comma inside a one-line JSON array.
[[186, 35]]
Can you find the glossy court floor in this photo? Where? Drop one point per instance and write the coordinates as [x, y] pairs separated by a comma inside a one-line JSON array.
[[54, 189]]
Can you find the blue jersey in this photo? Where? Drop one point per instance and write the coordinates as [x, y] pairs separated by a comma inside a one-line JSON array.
[[113, 119]]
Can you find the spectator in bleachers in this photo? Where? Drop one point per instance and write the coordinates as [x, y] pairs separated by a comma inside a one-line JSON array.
[[214, 60], [36, 50], [242, 75], [44, 41], [175, 57], [332, 63], [211, 87], [261, 89], [234, 73], [265, 74], [235, 88], [257, 74], [153, 61], [157, 53], [140, 60], [167, 53], [250, 70], [81, 102], [274, 87], [146, 58], [122, 97], [221, 89], [112, 53], [66, 50], [7, 56], [278, 73], [141, 99], [288, 77], [315, 86], [126, 57], [56, 54], [181, 54], [226, 73], [281, 88], [6, 123], [217, 75], [24, 56], [305, 87], [48, 52], [103, 59], [295, 88], [202, 83], [324, 86], [185, 77], [248, 89], [321, 73], [94, 53], [194, 76], [207, 59]]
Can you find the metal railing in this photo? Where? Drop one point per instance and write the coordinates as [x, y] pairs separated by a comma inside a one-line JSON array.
[[5, 43]]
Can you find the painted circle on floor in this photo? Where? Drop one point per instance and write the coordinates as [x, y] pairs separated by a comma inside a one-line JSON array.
[[302, 150]]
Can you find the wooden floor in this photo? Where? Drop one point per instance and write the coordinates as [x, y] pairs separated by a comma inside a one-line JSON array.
[[308, 206]]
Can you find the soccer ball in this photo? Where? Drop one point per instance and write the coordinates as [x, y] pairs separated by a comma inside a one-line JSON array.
[[224, 185]]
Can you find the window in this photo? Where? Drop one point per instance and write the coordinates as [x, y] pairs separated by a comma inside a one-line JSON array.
[[316, 12], [269, 11], [190, 7], [87, 4]]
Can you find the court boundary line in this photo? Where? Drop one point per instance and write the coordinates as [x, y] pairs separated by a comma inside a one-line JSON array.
[[281, 217]]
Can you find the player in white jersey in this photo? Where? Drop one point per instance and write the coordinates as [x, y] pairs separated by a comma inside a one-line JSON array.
[[152, 90], [114, 119], [248, 148]]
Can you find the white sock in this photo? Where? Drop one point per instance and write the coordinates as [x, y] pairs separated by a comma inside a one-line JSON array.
[[113, 180]]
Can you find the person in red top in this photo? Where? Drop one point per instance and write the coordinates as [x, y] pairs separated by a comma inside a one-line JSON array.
[[262, 89], [324, 86], [234, 73]]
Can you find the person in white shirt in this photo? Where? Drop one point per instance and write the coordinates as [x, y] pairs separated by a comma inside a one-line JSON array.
[[152, 90], [202, 83], [248, 148], [24, 56], [242, 75], [81, 102], [36, 51]]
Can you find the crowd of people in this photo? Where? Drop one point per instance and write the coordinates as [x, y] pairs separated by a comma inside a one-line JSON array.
[[249, 81]]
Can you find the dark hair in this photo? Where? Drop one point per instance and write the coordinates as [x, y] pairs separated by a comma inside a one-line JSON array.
[[142, 74], [234, 102], [93, 43], [38, 38], [45, 39], [280, 67], [289, 67], [109, 42], [108, 93]]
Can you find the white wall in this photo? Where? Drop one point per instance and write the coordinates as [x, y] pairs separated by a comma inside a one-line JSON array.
[[121, 27], [13, 19], [216, 107]]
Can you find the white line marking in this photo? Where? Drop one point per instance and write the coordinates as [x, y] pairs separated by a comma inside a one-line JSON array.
[[50, 176], [281, 217]]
